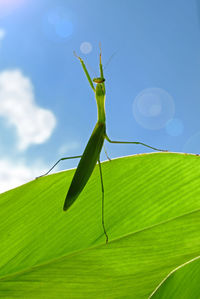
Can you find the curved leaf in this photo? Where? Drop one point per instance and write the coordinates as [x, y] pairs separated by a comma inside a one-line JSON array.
[[182, 283], [152, 206]]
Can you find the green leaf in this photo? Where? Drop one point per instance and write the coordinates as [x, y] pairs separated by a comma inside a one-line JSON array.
[[181, 283], [152, 217]]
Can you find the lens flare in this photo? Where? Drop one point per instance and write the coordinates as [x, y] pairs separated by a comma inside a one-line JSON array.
[[57, 25]]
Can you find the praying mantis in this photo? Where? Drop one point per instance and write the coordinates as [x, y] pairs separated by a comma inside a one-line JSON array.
[[91, 154]]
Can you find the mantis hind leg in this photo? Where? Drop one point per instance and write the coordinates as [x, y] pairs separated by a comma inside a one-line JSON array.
[[102, 189], [106, 153], [135, 142], [62, 159]]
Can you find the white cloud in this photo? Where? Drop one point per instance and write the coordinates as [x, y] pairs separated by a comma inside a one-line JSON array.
[[2, 33], [13, 174], [33, 124]]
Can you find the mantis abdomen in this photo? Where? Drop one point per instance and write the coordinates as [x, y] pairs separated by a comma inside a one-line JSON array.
[[87, 164]]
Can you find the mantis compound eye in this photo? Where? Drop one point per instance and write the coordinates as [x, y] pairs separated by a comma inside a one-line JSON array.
[[98, 80]]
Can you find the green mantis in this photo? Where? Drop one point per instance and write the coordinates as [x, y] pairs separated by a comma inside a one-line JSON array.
[[91, 154]]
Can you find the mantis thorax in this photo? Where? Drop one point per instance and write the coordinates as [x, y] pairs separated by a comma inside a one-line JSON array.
[[100, 95]]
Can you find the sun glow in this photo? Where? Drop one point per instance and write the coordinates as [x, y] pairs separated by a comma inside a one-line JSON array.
[[7, 3], [8, 6]]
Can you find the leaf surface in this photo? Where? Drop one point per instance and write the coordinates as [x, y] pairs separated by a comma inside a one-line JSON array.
[[152, 217]]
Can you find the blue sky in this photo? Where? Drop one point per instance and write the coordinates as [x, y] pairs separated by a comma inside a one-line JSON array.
[[47, 108]]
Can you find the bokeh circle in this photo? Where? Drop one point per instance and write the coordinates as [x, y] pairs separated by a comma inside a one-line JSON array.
[[174, 127], [86, 47], [153, 108], [192, 145]]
